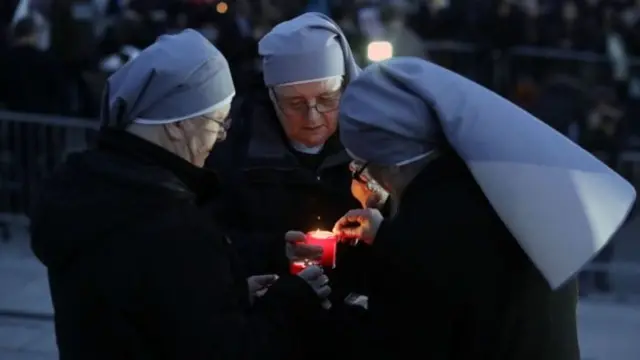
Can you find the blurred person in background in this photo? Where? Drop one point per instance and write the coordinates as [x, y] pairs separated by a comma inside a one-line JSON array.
[[239, 43], [504, 14], [566, 29], [404, 40], [497, 284], [73, 38], [613, 33], [345, 17], [118, 47], [289, 173], [562, 103], [433, 20], [136, 267], [32, 79], [604, 134]]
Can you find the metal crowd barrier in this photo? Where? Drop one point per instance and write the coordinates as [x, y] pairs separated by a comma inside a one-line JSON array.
[[499, 69], [31, 146]]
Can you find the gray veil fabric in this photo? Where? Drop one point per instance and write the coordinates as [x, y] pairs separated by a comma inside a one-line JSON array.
[[178, 77], [561, 203], [308, 47]]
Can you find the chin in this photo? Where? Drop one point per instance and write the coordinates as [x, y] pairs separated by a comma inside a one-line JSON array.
[[315, 139]]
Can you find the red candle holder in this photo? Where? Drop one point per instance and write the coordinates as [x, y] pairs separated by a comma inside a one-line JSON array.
[[327, 241], [297, 266]]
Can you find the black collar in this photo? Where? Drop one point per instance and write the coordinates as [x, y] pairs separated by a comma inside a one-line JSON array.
[[202, 183]]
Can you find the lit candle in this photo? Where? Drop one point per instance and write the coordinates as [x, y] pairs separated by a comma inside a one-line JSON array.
[[327, 241], [324, 239]]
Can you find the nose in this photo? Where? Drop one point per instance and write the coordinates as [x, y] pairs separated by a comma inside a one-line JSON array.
[[314, 116]]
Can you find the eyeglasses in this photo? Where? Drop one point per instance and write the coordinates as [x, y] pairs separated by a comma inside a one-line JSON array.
[[224, 124], [358, 172], [299, 106]]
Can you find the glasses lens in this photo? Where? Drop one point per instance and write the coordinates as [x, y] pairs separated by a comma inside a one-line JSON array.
[[327, 105]]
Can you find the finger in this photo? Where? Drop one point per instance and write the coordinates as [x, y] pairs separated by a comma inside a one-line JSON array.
[[326, 304], [294, 236], [321, 281], [265, 280], [261, 292], [352, 216], [324, 292], [347, 234], [373, 200], [311, 273], [307, 251], [361, 301]]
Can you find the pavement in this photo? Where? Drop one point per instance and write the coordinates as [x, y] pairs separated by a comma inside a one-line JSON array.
[[609, 325]]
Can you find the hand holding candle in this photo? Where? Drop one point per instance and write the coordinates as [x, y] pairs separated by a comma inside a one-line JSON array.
[[316, 247], [298, 249]]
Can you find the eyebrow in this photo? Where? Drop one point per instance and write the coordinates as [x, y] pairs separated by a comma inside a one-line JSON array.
[[302, 97]]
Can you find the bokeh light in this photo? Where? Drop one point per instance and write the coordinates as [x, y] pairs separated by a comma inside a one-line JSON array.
[[222, 7], [379, 50]]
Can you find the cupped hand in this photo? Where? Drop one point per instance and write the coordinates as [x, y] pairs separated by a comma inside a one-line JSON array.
[[319, 282]]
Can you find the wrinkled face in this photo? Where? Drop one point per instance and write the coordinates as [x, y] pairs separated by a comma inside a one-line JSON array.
[[308, 112], [194, 139]]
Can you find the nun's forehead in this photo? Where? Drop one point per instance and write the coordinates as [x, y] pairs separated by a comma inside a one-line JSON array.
[[310, 89]]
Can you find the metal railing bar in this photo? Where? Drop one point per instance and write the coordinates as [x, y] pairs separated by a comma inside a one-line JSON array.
[[43, 119]]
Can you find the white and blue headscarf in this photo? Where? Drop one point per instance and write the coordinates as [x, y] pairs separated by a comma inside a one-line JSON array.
[[309, 47], [560, 203], [178, 77]]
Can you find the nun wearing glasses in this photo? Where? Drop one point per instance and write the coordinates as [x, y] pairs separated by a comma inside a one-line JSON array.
[[289, 173], [494, 214], [137, 268]]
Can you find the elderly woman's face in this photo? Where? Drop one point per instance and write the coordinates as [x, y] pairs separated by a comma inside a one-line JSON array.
[[194, 139], [308, 112]]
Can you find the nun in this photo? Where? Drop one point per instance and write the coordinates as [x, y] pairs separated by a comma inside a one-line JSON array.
[[494, 214], [136, 267], [289, 174]]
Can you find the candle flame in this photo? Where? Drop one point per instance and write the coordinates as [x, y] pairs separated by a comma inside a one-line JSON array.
[[321, 234]]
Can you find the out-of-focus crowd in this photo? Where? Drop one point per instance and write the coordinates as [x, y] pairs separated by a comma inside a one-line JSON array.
[[55, 60]]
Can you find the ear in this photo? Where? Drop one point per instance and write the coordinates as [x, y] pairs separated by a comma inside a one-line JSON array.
[[174, 131]]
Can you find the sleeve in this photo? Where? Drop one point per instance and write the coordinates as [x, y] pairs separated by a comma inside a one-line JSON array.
[[197, 308], [402, 280], [385, 209]]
